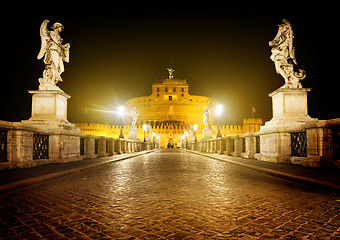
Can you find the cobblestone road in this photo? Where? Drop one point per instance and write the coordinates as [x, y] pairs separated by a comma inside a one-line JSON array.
[[169, 195]]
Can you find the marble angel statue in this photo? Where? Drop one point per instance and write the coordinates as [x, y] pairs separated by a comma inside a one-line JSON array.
[[206, 120], [134, 115], [283, 56], [54, 53], [148, 136], [192, 133]]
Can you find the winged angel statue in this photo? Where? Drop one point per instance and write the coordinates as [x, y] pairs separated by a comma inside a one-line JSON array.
[[206, 115], [283, 56], [55, 54], [134, 116]]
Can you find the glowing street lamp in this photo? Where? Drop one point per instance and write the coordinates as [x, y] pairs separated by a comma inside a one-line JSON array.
[[145, 127], [218, 110], [120, 113], [195, 131], [218, 113]]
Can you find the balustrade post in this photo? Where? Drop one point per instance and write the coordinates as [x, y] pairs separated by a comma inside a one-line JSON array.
[[222, 146], [229, 146], [102, 147], [20, 148], [237, 146]]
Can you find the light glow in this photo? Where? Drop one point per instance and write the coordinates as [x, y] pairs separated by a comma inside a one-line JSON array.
[[218, 110], [121, 110]]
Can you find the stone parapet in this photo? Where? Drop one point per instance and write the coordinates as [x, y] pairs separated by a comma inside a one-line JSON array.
[[29, 145]]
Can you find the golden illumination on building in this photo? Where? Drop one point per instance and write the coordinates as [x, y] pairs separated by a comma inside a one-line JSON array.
[[170, 110]]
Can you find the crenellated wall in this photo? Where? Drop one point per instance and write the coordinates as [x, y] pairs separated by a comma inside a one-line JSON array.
[[169, 131]]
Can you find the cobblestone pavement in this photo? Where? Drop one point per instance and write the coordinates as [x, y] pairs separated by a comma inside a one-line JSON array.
[[169, 195]]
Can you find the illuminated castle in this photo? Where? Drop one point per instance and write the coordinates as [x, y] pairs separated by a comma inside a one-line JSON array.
[[170, 110], [171, 103]]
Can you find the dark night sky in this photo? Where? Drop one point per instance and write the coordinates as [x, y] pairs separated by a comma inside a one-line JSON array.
[[117, 52]]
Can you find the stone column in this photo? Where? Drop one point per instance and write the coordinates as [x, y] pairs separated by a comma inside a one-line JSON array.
[[118, 146], [102, 147], [20, 148], [89, 147], [237, 146], [229, 146], [250, 143], [222, 146]]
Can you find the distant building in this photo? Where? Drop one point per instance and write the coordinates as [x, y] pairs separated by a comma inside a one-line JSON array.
[[170, 110]]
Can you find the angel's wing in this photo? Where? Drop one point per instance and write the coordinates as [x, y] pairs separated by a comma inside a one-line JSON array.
[[45, 36]]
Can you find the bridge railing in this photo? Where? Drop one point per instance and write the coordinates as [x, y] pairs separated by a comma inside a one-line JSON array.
[[312, 145], [27, 146]]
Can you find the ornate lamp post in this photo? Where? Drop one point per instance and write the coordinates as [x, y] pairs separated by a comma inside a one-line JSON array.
[[145, 127], [121, 114], [218, 113], [195, 132]]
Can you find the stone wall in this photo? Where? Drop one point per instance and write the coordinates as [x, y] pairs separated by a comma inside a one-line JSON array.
[[24, 145], [314, 144]]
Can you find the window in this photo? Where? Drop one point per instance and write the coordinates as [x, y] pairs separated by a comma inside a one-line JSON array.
[[174, 89], [166, 89], [157, 89], [182, 95], [182, 90], [157, 94], [170, 98]]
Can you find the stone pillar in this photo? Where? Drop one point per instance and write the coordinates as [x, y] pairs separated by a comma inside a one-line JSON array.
[[217, 144], [102, 147], [89, 147], [54, 148], [20, 148], [64, 147], [237, 146], [319, 148], [211, 146], [275, 147], [222, 146], [229, 146], [118, 146], [123, 145], [250, 146], [111, 150]]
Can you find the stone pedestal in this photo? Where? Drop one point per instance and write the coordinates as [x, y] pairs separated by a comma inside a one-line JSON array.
[[290, 113], [289, 108], [207, 133], [49, 109], [133, 133]]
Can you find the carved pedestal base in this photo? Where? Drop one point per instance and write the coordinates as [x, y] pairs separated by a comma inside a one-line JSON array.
[[207, 133], [289, 109], [133, 133], [49, 109], [290, 113]]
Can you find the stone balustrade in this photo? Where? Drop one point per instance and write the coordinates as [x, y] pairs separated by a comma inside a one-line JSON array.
[[23, 145], [314, 144]]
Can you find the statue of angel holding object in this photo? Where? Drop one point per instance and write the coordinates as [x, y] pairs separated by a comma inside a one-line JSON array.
[[283, 56], [54, 53]]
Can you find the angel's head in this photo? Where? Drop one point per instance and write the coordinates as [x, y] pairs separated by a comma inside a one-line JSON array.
[[58, 26]]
